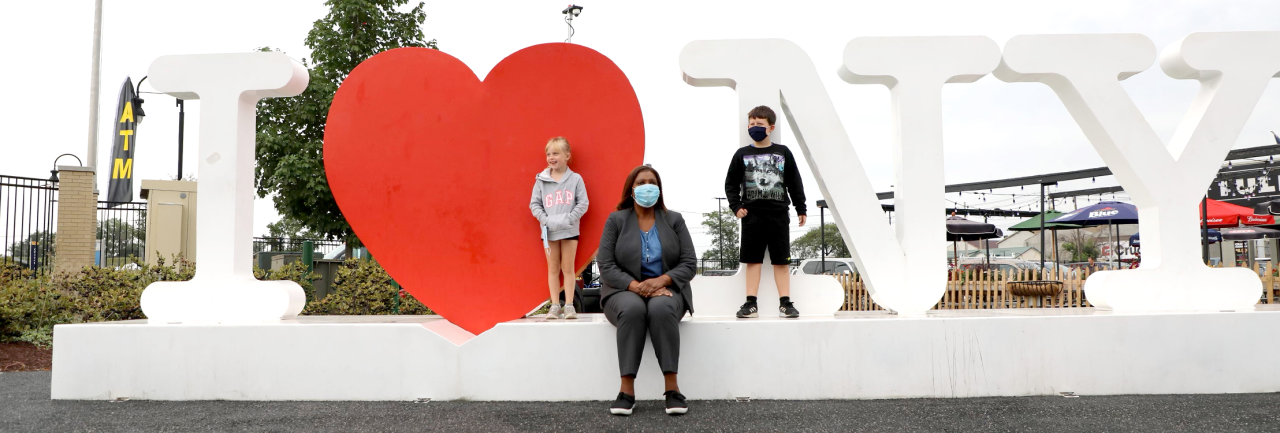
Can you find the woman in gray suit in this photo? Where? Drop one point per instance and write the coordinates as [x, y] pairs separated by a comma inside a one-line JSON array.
[[646, 260]]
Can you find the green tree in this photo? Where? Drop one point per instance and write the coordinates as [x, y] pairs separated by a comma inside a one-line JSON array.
[[1081, 245], [290, 137], [18, 251], [723, 228], [810, 245], [290, 228], [122, 239]]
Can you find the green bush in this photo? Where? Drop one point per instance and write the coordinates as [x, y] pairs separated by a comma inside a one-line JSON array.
[[31, 304], [295, 271], [362, 287]]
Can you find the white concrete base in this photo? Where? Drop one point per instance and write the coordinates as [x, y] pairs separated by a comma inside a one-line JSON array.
[[1172, 289], [222, 299], [957, 353], [813, 295]]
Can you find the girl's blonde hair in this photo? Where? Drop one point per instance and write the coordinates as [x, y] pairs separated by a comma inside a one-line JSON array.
[[559, 143]]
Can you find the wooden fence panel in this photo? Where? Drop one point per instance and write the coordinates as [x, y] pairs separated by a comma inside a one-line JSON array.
[[977, 289]]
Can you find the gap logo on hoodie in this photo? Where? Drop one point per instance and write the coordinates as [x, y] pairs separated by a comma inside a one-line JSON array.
[[558, 204], [558, 198]]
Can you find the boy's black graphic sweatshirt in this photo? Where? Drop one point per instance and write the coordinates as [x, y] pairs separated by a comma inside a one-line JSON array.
[[761, 178]]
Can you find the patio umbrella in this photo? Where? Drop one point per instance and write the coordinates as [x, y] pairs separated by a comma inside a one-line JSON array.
[[960, 229], [1214, 236], [1034, 224], [1223, 214], [1267, 208], [1248, 234], [1107, 212]]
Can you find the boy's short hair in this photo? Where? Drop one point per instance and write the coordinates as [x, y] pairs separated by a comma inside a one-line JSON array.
[[763, 112]]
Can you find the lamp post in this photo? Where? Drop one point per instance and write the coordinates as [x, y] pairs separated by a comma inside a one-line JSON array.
[[822, 233], [138, 113], [1042, 186], [54, 172], [182, 115], [94, 78], [571, 12]]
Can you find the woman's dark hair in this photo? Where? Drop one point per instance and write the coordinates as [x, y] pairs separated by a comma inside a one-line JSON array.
[[628, 201]]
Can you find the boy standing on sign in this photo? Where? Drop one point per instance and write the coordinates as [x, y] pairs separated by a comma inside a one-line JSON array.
[[761, 176]]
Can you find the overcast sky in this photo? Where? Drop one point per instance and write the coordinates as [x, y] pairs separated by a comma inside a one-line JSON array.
[[993, 129]]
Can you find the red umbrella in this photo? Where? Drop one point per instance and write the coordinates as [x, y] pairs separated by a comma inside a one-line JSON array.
[[1223, 214]]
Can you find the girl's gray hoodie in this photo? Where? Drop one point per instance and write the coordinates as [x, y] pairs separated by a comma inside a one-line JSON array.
[[558, 206]]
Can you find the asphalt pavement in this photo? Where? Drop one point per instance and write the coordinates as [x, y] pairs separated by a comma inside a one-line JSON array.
[[25, 407]]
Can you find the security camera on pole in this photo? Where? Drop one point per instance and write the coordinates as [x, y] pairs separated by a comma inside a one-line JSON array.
[[571, 12]]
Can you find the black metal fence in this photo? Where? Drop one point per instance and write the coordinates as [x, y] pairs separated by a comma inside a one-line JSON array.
[[122, 232], [27, 221], [322, 247], [717, 267]]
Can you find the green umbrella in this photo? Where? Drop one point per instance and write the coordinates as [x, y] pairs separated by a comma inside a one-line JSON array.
[[1033, 224]]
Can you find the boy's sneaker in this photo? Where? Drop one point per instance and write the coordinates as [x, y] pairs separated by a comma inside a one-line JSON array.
[[675, 403], [748, 310], [569, 313], [788, 310], [624, 404], [555, 312]]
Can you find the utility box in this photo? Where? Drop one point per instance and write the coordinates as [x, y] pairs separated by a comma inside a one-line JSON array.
[[171, 219]]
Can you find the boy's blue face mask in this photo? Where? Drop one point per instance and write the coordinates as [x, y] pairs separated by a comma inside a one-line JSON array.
[[758, 133], [647, 195]]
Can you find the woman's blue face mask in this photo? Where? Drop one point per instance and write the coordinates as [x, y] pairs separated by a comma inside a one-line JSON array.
[[647, 195]]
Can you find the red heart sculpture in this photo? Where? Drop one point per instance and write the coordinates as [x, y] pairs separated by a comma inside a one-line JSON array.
[[434, 168]]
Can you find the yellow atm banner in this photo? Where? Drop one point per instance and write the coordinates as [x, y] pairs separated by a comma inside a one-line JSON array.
[[124, 143]]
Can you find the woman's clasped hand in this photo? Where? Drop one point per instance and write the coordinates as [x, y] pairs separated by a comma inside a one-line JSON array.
[[651, 287]]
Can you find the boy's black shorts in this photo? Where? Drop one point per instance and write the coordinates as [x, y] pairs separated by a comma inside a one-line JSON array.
[[763, 230]]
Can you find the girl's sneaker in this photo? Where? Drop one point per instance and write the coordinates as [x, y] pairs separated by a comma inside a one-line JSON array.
[[555, 312], [569, 313]]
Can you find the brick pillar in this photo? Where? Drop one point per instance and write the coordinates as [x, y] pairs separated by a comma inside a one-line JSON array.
[[77, 219]]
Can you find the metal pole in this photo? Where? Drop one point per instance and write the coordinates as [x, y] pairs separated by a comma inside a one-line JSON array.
[[1056, 261], [182, 116], [94, 78], [822, 232], [1117, 248], [1042, 228], [396, 308], [308, 255], [1204, 228]]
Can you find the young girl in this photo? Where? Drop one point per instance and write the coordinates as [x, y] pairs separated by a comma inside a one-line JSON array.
[[559, 201]]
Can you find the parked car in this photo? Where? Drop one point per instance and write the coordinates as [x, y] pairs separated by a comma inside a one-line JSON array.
[[1001, 265], [1101, 266], [834, 265]]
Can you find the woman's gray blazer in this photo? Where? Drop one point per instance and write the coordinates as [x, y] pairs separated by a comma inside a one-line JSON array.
[[619, 256]]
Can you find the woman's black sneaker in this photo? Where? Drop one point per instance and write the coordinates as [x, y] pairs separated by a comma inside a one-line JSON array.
[[675, 403], [788, 310], [748, 310], [625, 404]]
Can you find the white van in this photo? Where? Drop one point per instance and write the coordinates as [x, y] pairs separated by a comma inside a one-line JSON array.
[[835, 265]]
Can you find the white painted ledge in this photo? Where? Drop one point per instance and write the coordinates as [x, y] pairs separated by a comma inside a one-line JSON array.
[[956, 353]]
